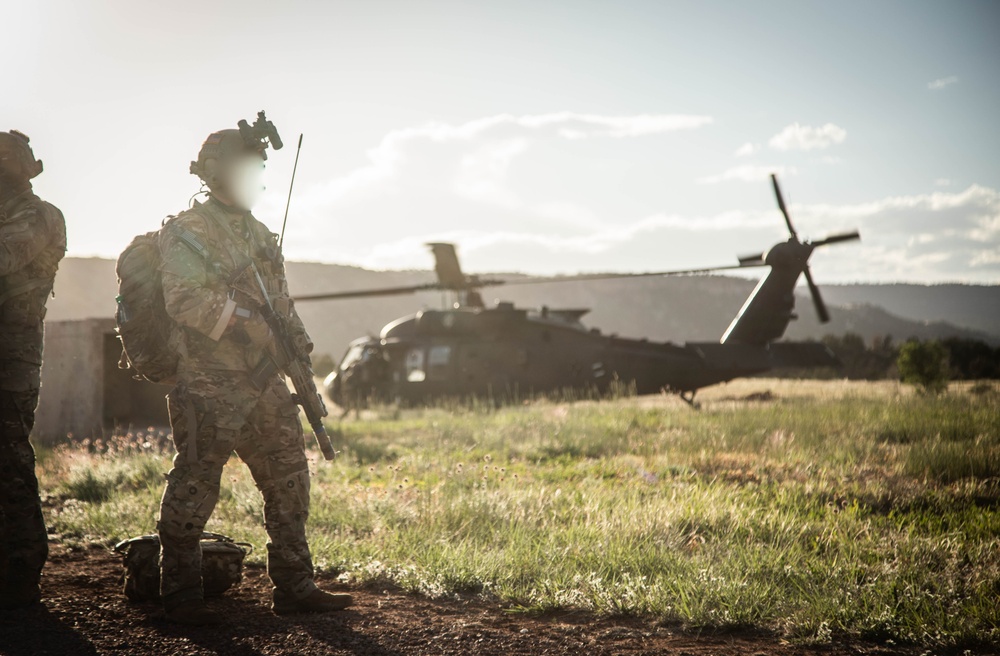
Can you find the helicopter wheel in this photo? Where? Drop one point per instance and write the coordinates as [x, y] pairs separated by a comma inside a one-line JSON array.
[[688, 397]]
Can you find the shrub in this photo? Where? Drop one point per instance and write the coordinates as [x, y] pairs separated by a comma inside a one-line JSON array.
[[924, 364]]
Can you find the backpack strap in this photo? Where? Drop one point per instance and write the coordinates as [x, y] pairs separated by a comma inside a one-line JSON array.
[[218, 229]]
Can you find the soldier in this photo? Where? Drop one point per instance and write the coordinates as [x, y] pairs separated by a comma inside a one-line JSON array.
[[219, 405], [32, 242]]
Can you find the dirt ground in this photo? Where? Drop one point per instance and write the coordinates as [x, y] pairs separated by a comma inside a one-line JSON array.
[[84, 612]]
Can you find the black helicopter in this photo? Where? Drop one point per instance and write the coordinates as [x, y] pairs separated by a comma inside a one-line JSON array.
[[505, 353]]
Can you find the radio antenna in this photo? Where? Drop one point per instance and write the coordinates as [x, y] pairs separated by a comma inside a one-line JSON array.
[[295, 167]]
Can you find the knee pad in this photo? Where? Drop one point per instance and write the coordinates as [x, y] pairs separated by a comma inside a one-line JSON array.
[[291, 492], [187, 504]]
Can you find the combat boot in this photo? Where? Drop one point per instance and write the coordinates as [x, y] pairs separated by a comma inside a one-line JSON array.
[[19, 595], [194, 613], [318, 601]]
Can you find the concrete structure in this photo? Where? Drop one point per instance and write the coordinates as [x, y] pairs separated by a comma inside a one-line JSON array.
[[84, 393]]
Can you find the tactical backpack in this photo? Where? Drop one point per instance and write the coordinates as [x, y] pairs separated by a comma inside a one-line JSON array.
[[221, 565], [143, 324]]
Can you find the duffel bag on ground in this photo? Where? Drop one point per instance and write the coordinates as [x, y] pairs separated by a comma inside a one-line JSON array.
[[221, 565]]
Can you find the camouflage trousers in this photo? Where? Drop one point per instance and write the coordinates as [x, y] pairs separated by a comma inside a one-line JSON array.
[[24, 543], [212, 415]]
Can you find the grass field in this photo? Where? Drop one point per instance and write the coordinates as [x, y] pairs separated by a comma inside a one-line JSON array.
[[825, 509]]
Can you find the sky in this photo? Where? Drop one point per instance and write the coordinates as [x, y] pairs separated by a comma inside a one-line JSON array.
[[543, 136]]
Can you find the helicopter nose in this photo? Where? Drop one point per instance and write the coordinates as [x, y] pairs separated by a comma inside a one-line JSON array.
[[332, 386]]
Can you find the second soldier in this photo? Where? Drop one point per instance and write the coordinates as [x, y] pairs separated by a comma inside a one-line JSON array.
[[218, 407]]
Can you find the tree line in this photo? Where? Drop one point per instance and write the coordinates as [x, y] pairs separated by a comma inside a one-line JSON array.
[[953, 358]]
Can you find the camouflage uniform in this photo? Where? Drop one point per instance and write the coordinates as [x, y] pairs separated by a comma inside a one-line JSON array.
[[32, 242], [216, 408]]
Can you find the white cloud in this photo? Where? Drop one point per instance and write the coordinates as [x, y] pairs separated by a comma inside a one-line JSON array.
[[942, 182], [748, 173], [931, 237], [804, 137], [746, 149], [472, 159], [534, 194], [666, 237], [942, 82]]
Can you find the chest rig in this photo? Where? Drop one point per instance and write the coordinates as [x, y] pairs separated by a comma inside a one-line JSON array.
[[240, 239]]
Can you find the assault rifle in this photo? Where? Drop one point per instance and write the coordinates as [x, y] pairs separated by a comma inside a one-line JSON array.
[[285, 357]]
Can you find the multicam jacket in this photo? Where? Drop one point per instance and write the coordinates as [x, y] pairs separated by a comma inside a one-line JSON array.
[[32, 242], [202, 250]]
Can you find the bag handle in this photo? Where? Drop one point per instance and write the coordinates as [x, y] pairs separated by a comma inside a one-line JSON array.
[[218, 537], [122, 546]]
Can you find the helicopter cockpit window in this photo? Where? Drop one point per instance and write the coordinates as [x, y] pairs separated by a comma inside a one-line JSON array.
[[438, 356], [415, 366], [437, 361], [353, 355]]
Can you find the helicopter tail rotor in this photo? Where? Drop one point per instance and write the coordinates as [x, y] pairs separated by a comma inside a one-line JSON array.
[[766, 313], [821, 311], [833, 239], [824, 316], [817, 298], [781, 206]]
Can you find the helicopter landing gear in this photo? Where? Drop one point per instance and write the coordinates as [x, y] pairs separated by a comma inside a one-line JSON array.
[[688, 397]]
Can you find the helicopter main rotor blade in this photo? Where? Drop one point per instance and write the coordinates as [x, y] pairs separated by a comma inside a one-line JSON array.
[[616, 276], [757, 259], [781, 206], [824, 316], [366, 293], [834, 239], [495, 282]]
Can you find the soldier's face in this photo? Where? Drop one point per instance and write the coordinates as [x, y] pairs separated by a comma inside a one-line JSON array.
[[244, 180]]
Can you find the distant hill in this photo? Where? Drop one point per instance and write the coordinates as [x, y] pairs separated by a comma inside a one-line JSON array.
[[697, 308], [969, 306]]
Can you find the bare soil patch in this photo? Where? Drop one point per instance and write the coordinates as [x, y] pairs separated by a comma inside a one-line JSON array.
[[84, 612]]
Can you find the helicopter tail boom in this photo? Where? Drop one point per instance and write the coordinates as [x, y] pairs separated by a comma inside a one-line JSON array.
[[768, 310]]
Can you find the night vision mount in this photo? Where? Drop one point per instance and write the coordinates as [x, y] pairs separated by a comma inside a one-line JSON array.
[[259, 135]]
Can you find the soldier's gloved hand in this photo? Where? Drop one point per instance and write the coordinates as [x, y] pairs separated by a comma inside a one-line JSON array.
[[257, 332]]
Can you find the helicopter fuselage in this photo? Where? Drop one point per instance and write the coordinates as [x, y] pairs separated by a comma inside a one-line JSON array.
[[505, 354]]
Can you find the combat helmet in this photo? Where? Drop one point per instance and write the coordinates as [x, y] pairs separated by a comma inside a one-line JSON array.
[[226, 145], [17, 161]]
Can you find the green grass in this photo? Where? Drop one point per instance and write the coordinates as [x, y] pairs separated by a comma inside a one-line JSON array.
[[835, 509]]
